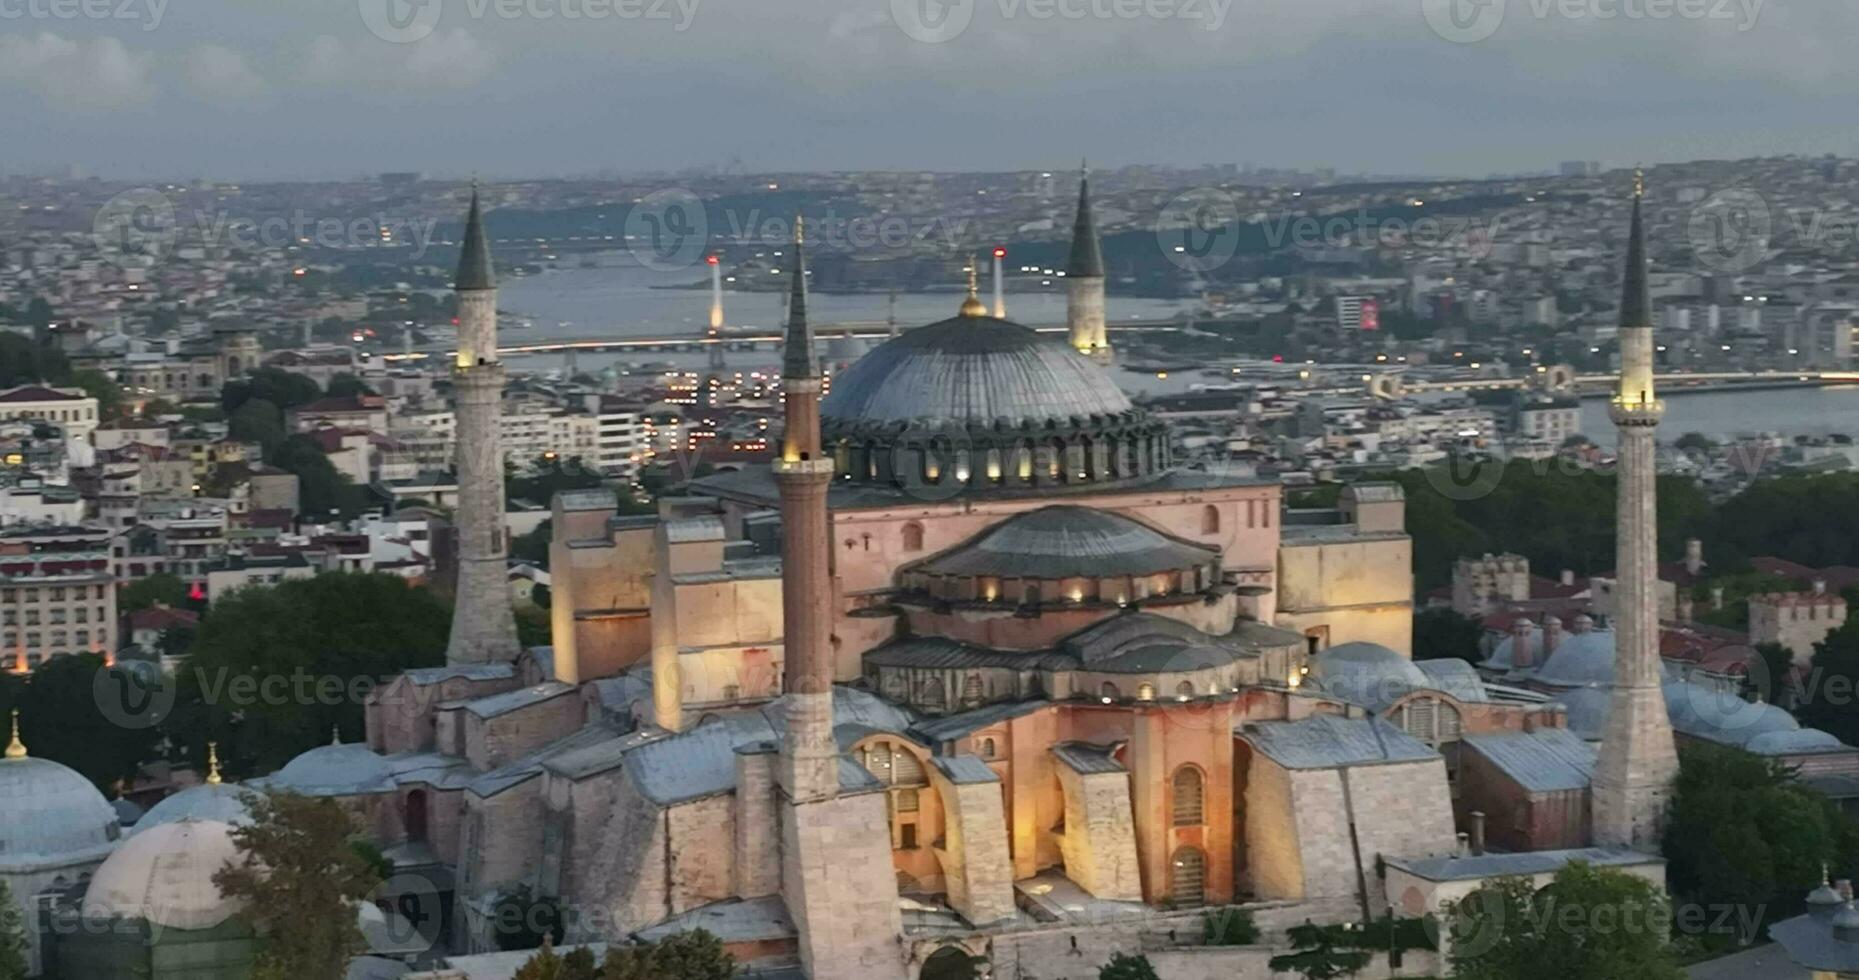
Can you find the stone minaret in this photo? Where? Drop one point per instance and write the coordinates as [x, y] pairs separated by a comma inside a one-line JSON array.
[[483, 627], [809, 757], [1084, 279], [1638, 761], [837, 880]]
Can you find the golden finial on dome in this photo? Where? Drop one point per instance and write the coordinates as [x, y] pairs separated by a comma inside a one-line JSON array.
[[972, 306], [335, 734], [213, 778], [16, 749], [1639, 182], [800, 230]]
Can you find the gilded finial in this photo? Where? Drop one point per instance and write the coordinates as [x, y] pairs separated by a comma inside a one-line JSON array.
[[1639, 182], [213, 778], [16, 749], [800, 231], [335, 734], [972, 306]]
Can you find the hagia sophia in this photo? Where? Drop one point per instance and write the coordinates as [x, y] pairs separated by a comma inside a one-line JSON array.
[[977, 666]]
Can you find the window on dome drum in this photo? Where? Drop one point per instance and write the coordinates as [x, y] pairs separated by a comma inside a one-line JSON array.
[[1145, 692], [913, 537], [1109, 691], [1190, 810], [1184, 690], [1188, 888]]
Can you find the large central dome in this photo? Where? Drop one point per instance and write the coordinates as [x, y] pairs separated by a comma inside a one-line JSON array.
[[972, 369], [978, 404]]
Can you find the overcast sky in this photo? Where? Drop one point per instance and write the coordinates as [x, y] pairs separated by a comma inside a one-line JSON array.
[[305, 88]]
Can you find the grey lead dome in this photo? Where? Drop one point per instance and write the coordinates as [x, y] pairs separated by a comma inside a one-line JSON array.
[[972, 369]]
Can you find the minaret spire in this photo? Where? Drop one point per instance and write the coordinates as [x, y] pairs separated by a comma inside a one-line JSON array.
[[483, 626], [1638, 759], [213, 776], [16, 749], [1084, 278], [798, 358], [972, 307]]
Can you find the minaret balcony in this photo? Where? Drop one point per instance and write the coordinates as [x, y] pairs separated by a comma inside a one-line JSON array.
[[808, 467], [1636, 414]]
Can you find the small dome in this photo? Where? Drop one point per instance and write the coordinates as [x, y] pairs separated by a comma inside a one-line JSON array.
[[1580, 660], [1367, 674], [335, 770], [208, 801], [1723, 716], [165, 876], [127, 813], [51, 814], [1504, 655], [1069, 542], [972, 369], [1788, 743], [1588, 708]]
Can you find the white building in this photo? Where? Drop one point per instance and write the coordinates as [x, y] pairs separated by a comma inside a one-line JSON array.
[[70, 408]]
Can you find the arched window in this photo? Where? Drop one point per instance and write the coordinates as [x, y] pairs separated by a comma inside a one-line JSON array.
[[1184, 690], [416, 815], [913, 536], [972, 690], [988, 748], [1210, 519], [1109, 691], [1145, 692], [1190, 810], [1189, 887]]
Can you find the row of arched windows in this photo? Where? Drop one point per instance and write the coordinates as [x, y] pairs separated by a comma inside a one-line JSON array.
[[1025, 462]]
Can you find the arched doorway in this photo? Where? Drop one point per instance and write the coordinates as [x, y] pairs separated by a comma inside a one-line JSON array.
[[952, 963], [416, 815]]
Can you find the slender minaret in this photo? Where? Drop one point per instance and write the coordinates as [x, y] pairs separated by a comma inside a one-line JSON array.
[[1638, 760], [1084, 277], [837, 881], [715, 335], [1000, 285], [483, 627], [890, 313], [809, 757]]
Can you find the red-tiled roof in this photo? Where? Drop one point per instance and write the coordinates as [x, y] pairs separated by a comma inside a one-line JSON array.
[[161, 618], [37, 393]]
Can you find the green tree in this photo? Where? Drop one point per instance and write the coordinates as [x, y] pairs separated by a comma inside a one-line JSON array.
[[545, 965], [1695, 442], [12, 937], [1829, 704], [259, 421], [694, 955], [300, 880], [60, 719], [279, 387], [312, 649], [1319, 953], [1229, 927], [347, 385], [321, 490], [163, 588], [1742, 832], [534, 546], [549, 476], [104, 389], [1443, 634], [25, 360], [1587, 924]]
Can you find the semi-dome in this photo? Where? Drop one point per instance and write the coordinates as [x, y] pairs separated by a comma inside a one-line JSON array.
[[1723, 716], [1367, 674], [164, 875], [51, 815], [975, 404], [1069, 542], [1789, 743], [972, 369]]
